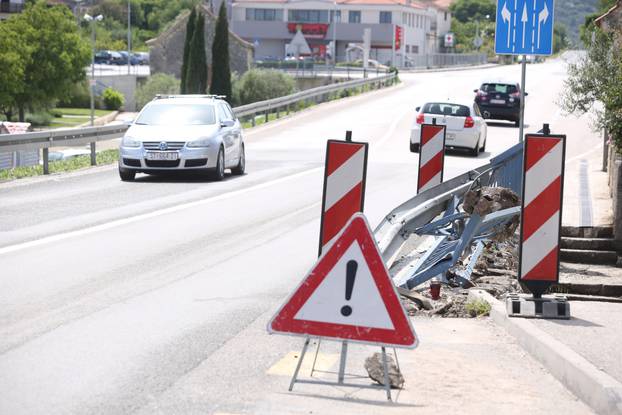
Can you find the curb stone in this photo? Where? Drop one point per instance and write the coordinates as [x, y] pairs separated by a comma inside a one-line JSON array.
[[596, 388]]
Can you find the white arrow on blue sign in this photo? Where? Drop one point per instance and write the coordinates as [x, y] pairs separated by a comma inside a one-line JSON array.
[[524, 27]]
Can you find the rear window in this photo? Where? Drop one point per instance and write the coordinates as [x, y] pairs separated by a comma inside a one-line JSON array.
[[177, 114], [501, 88], [446, 109]]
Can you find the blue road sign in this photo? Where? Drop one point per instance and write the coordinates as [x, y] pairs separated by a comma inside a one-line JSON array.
[[524, 27]]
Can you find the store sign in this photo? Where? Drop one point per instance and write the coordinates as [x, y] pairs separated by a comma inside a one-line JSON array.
[[449, 40], [309, 30], [399, 33]]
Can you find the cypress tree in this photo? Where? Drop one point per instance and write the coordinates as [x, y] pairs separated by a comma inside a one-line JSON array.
[[196, 76], [221, 72], [189, 33]]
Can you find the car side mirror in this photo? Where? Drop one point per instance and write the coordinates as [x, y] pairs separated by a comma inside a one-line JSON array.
[[526, 93], [417, 109], [476, 90], [226, 123]]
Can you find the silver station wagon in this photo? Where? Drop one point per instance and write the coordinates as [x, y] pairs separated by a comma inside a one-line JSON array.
[[183, 132]]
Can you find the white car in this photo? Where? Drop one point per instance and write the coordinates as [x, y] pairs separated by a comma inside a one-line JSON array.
[[183, 132], [465, 129]]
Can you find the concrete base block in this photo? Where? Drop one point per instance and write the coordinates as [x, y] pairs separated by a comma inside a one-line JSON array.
[[549, 306]]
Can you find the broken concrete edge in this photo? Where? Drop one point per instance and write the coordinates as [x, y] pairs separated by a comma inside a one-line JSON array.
[[597, 389]]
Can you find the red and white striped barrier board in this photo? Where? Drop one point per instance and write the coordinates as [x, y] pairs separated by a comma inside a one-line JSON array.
[[344, 186], [431, 156], [543, 182]]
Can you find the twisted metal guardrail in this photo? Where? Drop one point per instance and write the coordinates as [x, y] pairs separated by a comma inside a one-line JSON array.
[[77, 136], [392, 233]]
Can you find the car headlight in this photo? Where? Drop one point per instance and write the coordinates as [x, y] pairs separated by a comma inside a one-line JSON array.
[[130, 142], [202, 142]]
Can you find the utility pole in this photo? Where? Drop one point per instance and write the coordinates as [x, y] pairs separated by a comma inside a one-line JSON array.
[[92, 20], [129, 36]]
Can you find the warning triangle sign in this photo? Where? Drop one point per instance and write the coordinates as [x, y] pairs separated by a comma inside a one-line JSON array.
[[348, 295]]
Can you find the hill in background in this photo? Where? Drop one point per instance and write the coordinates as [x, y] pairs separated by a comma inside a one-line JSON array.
[[571, 13]]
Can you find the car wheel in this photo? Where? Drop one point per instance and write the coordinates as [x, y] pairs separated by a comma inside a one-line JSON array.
[[239, 169], [414, 147], [219, 173], [475, 150], [126, 175]]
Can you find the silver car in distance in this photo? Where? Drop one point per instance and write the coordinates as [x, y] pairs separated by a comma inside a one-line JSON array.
[[183, 132]]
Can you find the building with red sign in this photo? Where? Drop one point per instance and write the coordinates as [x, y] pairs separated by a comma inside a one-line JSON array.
[[400, 29]]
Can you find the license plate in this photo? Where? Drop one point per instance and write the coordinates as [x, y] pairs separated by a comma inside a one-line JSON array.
[[450, 136], [497, 101], [162, 155]]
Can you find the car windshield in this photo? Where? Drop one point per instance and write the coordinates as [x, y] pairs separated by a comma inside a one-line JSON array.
[[501, 88], [446, 109], [177, 114]]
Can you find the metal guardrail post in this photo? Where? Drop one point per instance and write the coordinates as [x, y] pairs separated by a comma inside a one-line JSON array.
[[266, 116], [46, 158], [277, 113], [93, 155]]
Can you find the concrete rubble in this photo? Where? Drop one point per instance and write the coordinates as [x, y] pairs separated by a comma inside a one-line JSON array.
[[374, 367]]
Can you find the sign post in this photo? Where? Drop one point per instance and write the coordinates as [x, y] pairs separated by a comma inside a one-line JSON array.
[[349, 296], [524, 27], [431, 156], [541, 218]]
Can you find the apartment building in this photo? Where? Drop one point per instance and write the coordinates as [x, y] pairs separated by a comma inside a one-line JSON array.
[[400, 29]]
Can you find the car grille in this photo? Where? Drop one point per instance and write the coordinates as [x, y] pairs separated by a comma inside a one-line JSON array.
[[195, 162], [131, 162], [170, 145], [162, 163]]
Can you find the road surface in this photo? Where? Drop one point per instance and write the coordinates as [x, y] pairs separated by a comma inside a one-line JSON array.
[[113, 293]]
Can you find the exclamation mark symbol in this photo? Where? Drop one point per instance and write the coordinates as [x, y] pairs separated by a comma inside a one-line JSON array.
[[351, 267]]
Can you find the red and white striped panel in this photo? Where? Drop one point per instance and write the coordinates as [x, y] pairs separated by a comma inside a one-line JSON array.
[[542, 204], [431, 156], [344, 186]]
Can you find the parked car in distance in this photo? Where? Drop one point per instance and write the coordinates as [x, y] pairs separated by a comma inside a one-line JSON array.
[[183, 133], [465, 127], [499, 100], [142, 58], [103, 57]]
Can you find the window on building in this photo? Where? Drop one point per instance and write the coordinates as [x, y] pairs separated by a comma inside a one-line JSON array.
[[385, 17], [407, 48], [338, 16], [264, 14], [308, 16], [414, 49], [445, 16], [354, 16]]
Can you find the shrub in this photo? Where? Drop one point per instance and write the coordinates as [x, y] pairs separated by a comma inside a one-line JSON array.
[[39, 118], [478, 308], [78, 96], [157, 84], [113, 99], [261, 84]]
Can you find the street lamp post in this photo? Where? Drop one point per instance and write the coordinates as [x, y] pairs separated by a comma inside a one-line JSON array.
[[129, 35], [92, 21]]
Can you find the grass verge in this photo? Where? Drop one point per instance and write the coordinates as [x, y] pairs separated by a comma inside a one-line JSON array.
[[75, 163]]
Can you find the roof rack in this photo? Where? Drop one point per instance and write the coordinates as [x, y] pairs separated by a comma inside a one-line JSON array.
[[164, 96]]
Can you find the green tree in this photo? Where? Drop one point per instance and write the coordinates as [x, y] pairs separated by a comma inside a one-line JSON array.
[[189, 33], [14, 57], [57, 55], [560, 38], [221, 72], [585, 31], [594, 84], [472, 10], [261, 84], [196, 76], [159, 83]]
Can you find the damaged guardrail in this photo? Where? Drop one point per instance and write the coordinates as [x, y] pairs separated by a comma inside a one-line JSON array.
[[456, 230]]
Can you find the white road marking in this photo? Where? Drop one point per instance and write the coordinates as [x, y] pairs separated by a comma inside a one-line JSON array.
[[156, 213], [391, 129]]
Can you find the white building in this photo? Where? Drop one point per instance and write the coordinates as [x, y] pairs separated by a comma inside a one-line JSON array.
[[400, 29]]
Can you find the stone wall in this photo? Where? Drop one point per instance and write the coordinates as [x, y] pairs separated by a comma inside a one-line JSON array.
[[614, 167], [167, 50]]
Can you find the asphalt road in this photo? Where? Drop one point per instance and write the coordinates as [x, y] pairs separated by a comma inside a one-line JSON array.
[[111, 292]]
